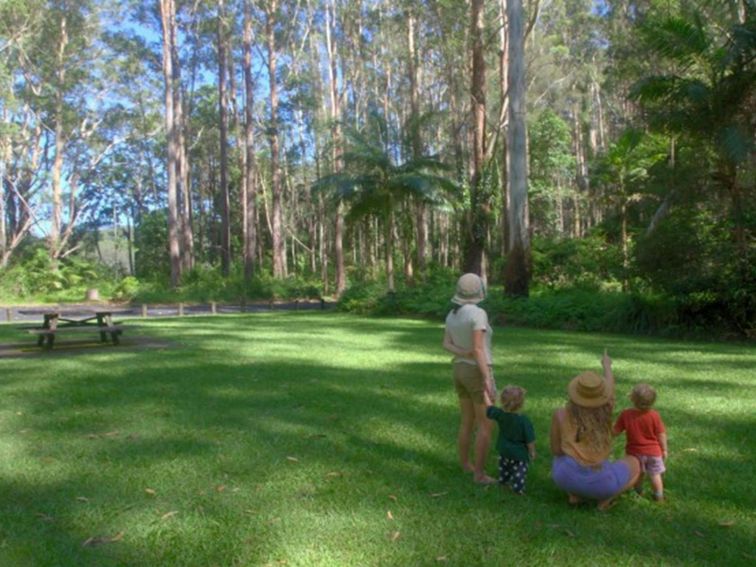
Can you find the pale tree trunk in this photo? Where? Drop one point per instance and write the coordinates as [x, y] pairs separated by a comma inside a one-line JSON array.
[[504, 96], [577, 231], [249, 192], [336, 142], [60, 144], [323, 249], [421, 214], [517, 276], [223, 128], [405, 241], [317, 219], [183, 171], [168, 15], [5, 152], [477, 225], [279, 261], [389, 244], [598, 110], [17, 184]]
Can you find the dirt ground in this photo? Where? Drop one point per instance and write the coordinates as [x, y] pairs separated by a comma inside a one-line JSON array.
[[68, 347]]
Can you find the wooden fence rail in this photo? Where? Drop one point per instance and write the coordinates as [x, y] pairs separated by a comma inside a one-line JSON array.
[[15, 314]]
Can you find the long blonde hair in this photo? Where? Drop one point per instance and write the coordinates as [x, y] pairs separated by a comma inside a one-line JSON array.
[[592, 425]]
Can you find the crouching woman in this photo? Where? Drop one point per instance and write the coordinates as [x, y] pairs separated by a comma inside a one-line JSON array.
[[581, 442]]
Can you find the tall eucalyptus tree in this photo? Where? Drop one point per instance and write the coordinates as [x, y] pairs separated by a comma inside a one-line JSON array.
[[517, 276], [168, 23]]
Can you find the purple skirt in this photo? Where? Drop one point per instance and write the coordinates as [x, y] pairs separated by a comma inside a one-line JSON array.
[[596, 483]]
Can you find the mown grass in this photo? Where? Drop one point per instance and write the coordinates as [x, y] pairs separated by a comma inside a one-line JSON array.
[[328, 439]]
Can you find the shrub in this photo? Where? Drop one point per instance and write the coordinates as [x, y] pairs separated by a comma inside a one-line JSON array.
[[589, 262], [127, 289], [575, 309]]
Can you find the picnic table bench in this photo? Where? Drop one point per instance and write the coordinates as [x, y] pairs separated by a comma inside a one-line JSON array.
[[55, 323]]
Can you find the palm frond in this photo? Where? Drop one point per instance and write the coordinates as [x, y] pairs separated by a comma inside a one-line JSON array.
[[425, 163], [677, 39]]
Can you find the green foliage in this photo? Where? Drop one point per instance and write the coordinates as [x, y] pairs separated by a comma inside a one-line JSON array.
[[206, 283], [551, 166], [570, 300], [709, 93], [692, 259], [373, 184], [151, 247], [127, 289], [36, 277], [587, 263]]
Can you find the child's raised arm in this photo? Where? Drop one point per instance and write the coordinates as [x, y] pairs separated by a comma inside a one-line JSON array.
[[606, 363]]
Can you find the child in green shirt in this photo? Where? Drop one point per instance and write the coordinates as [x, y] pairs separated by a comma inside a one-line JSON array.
[[516, 443]]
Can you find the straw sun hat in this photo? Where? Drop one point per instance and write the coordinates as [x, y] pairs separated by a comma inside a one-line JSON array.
[[588, 390], [470, 289]]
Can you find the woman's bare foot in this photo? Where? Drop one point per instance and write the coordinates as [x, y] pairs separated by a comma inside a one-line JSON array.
[[467, 467], [484, 479]]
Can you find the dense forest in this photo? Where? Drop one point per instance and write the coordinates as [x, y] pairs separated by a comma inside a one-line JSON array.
[[333, 147]]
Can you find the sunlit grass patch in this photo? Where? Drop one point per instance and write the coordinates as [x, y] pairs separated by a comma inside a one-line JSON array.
[[324, 439]]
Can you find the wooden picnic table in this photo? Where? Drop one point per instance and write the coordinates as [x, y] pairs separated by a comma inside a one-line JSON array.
[[55, 322]]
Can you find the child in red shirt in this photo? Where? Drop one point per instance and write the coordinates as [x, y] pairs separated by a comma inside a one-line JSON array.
[[646, 437]]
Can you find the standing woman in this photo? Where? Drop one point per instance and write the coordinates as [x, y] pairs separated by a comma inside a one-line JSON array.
[[581, 441], [468, 338]]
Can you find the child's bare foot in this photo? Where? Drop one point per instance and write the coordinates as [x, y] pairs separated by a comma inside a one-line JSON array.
[[607, 504], [573, 500], [468, 468], [484, 479]]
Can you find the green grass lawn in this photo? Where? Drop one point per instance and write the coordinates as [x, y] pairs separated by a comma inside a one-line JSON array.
[[325, 439]]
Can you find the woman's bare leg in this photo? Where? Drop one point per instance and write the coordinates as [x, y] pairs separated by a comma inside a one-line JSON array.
[[635, 471], [482, 442], [464, 438]]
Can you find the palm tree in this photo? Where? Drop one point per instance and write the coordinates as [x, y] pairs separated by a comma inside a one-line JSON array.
[[372, 183], [623, 169], [710, 97]]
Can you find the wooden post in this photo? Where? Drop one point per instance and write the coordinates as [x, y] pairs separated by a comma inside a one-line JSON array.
[[181, 309], [144, 310], [322, 304], [213, 308], [8, 315], [296, 305]]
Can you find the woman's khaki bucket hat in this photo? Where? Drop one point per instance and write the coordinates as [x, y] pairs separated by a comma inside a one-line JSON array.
[[470, 289]]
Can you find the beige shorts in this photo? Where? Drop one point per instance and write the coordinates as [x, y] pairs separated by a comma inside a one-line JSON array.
[[469, 382]]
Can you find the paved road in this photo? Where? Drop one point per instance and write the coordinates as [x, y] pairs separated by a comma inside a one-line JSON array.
[[33, 313]]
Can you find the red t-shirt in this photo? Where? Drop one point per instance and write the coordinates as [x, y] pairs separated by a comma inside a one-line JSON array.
[[643, 429]]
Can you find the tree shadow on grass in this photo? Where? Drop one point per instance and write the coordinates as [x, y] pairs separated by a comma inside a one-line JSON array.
[[290, 438]]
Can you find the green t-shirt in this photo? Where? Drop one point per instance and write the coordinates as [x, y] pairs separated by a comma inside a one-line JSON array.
[[515, 432]]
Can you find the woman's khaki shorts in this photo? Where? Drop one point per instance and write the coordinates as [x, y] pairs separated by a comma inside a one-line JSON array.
[[469, 382]]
